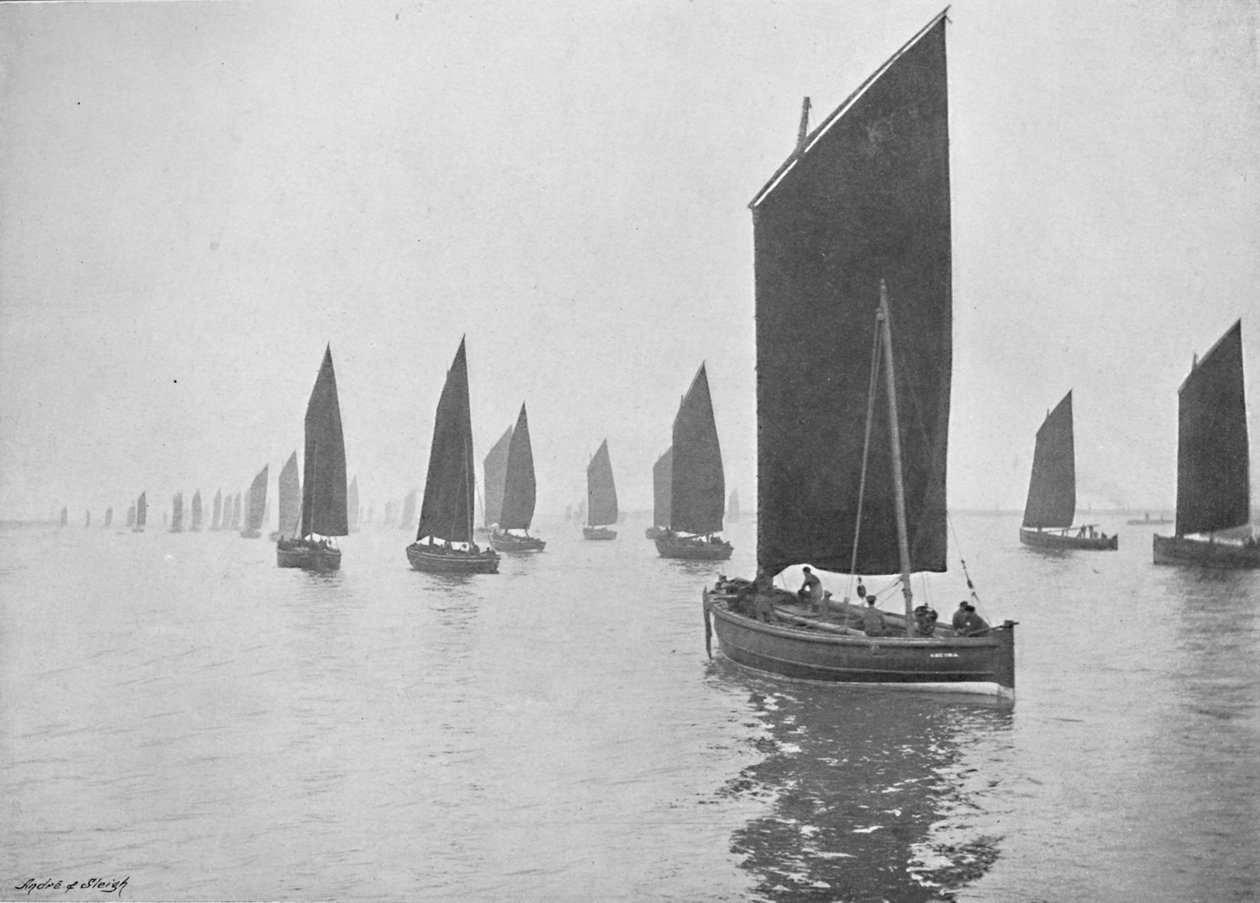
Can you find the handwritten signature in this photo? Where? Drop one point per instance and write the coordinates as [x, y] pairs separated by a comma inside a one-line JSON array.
[[101, 885]]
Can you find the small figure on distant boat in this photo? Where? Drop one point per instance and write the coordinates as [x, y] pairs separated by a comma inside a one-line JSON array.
[[811, 590], [872, 619], [925, 619]]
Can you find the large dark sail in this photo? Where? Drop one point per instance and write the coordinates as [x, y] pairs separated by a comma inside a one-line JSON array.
[[256, 500], [865, 198], [449, 489], [601, 492], [1052, 486], [519, 488], [495, 465], [1213, 491], [662, 487], [324, 464], [698, 494], [290, 492]]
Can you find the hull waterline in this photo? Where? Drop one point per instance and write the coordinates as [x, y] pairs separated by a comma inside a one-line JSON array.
[[1181, 550], [452, 561], [1044, 539], [692, 549], [307, 556]]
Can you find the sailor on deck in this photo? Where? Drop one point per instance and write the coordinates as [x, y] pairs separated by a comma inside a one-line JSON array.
[[811, 590]]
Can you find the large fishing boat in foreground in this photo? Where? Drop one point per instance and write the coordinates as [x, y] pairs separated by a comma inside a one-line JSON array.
[[323, 482], [1051, 505], [1213, 465], [444, 538], [862, 204]]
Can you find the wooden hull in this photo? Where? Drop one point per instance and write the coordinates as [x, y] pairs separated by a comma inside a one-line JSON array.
[[692, 549], [959, 664], [1203, 553], [598, 533], [307, 555], [452, 561], [1044, 539], [508, 542]]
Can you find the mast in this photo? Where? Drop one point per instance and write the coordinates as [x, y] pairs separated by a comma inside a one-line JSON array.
[[884, 322]]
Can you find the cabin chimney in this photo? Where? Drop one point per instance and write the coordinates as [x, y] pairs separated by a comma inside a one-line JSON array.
[[803, 130]]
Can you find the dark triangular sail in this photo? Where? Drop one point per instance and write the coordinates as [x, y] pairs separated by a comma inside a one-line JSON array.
[[698, 494], [324, 461], [662, 487], [1213, 488], [290, 492], [519, 488], [196, 510], [865, 198], [495, 470], [256, 500], [1052, 486], [601, 492], [449, 489]]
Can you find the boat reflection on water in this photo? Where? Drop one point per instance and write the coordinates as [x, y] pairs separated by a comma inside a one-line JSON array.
[[873, 794]]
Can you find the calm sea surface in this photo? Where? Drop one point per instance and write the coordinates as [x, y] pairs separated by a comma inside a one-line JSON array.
[[177, 711]]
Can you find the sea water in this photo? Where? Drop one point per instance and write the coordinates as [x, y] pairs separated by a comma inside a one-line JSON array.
[[182, 720]]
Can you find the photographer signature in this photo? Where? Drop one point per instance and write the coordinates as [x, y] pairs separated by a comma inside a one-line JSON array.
[[101, 885]]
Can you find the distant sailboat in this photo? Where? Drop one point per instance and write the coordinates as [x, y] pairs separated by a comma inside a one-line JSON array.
[[195, 523], [177, 513], [290, 493], [494, 470], [389, 514], [697, 483], [352, 505], [1213, 464], [519, 495], [1051, 505], [215, 520], [444, 537], [852, 414], [323, 481], [65, 516], [662, 486], [408, 509], [109, 516], [256, 505], [601, 496], [236, 512], [142, 514], [87, 521], [131, 515]]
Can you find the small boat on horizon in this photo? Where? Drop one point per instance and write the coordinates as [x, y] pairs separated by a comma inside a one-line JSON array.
[[518, 496], [1147, 519], [444, 537], [1213, 464], [323, 516], [1051, 505], [601, 497]]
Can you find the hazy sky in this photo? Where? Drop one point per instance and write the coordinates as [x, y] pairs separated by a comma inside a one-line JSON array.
[[196, 197]]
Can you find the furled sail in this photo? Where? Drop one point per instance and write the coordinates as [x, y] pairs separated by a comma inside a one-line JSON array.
[[662, 486], [1213, 483], [449, 489], [698, 493], [324, 461], [290, 491], [495, 470], [256, 500], [864, 198], [1052, 486], [519, 488], [601, 492]]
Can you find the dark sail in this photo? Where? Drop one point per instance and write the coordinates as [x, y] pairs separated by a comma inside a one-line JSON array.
[[142, 510], [290, 492], [1052, 486], [662, 486], [866, 198], [519, 488], [352, 503], [449, 489], [495, 472], [698, 496], [1213, 491], [601, 492], [324, 473], [256, 500], [408, 510], [196, 510], [218, 509]]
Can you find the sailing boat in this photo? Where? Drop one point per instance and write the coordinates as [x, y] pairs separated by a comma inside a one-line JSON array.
[[516, 511], [323, 481], [1051, 504], [87, 520], [65, 516], [408, 510], [601, 496], [236, 512], [142, 514], [256, 505], [218, 510], [352, 505], [446, 515], [195, 525], [109, 517], [131, 515], [494, 473], [859, 211], [1213, 485], [697, 486], [177, 513], [732, 507], [662, 486], [290, 493]]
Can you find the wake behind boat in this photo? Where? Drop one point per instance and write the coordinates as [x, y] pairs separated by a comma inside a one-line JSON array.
[[324, 482], [444, 538], [1213, 482], [862, 204], [1051, 505]]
